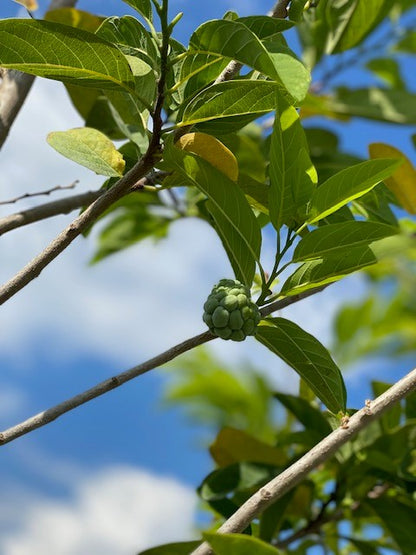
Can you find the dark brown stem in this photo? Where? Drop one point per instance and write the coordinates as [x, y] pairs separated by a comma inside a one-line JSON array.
[[280, 9]]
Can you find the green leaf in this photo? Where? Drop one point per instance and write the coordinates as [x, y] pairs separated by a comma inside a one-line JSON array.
[[130, 116], [232, 39], [63, 53], [235, 221], [352, 20], [196, 72], [308, 357], [391, 418], [232, 445], [239, 477], [131, 223], [216, 396], [271, 518], [296, 9], [264, 26], [247, 149], [75, 18], [407, 43], [375, 205], [312, 419], [238, 544], [348, 185], [143, 7], [257, 192], [364, 547], [182, 548], [233, 98], [322, 271], [388, 70], [336, 239], [90, 148], [398, 518], [128, 31], [95, 109], [410, 406], [223, 126], [390, 105], [292, 175]]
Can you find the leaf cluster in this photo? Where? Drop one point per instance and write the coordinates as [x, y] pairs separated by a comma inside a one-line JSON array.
[[370, 482]]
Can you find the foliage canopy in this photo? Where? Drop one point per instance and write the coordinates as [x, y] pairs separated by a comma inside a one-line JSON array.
[[203, 126]]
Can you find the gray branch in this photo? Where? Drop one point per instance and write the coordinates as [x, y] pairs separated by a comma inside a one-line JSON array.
[[280, 9], [81, 223], [47, 210], [319, 454], [53, 413], [15, 86]]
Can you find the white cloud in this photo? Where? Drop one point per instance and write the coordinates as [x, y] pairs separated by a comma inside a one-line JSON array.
[[118, 511]]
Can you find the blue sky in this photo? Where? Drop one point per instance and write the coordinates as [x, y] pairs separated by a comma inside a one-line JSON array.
[[77, 325]]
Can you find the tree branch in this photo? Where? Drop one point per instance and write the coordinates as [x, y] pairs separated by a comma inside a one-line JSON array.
[[48, 210], [231, 70], [53, 413], [123, 186], [82, 222], [39, 193], [49, 415], [15, 86], [280, 9], [66, 205], [315, 525], [233, 67], [319, 454]]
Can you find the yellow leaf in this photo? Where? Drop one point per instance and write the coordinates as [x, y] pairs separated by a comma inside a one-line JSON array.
[[403, 181], [30, 5], [212, 150]]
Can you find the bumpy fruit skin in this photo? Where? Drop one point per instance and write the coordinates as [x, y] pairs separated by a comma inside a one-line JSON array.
[[229, 311]]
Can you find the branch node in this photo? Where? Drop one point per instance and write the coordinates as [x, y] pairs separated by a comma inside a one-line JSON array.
[[265, 494], [367, 407]]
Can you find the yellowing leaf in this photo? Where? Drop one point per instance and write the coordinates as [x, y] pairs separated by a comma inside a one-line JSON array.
[[403, 181], [90, 148], [212, 150], [30, 5]]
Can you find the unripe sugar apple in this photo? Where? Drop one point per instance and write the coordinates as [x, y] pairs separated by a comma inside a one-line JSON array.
[[229, 312]]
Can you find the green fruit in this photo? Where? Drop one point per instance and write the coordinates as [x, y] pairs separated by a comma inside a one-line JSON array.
[[229, 312]]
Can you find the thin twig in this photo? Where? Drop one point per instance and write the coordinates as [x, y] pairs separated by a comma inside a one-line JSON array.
[[48, 210], [49, 415], [66, 205], [319, 454], [81, 223], [315, 525], [15, 86], [53, 413], [40, 193]]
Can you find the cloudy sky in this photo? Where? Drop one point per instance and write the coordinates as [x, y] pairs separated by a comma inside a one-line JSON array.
[[82, 484]]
